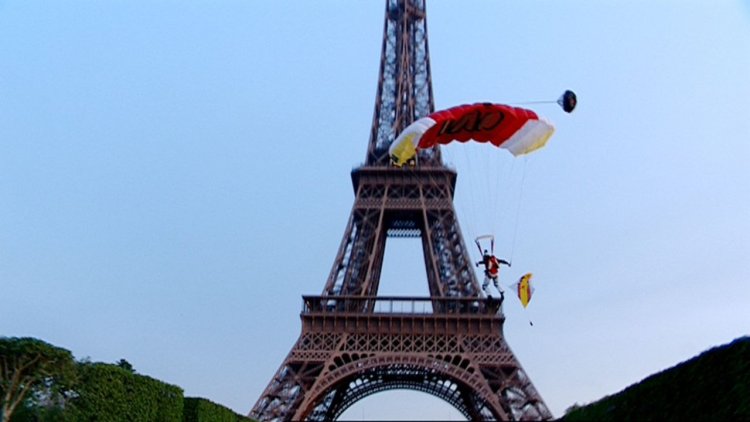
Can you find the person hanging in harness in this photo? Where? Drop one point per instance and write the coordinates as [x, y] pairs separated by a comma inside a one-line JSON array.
[[492, 272]]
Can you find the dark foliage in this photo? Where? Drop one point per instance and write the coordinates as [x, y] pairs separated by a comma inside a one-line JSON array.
[[714, 386], [202, 410]]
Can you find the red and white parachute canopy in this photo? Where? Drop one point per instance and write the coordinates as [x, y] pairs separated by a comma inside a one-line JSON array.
[[516, 129]]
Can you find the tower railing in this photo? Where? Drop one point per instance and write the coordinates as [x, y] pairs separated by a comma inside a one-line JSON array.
[[399, 305]]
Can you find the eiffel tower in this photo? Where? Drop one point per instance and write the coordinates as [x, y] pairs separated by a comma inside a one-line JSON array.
[[355, 343]]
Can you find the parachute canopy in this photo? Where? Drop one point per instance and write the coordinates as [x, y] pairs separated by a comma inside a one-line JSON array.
[[524, 289], [516, 129], [568, 101]]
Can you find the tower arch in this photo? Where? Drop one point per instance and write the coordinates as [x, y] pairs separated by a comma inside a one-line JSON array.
[[436, 376]]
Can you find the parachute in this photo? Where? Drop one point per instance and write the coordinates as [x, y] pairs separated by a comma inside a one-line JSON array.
[[516, 129], [519, 130], [568, 101], [524, 289]]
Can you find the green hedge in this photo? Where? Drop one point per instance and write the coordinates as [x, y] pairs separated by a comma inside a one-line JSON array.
[[202, 410], [714, 386], [108, 393], [70, 391]]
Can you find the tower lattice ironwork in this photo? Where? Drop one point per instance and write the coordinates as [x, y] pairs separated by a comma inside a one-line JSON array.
[[355, 343]]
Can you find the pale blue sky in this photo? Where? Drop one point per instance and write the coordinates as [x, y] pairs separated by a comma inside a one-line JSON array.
[[175, 174]]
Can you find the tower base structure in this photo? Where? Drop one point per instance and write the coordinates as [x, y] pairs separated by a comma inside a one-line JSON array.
[[451, 348]]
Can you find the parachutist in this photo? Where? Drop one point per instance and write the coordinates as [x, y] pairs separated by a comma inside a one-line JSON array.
[[492, 272]]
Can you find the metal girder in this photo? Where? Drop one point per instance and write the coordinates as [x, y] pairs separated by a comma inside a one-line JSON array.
[[405, 83], [394, 202]]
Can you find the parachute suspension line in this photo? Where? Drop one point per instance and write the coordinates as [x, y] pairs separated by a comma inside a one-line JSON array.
[[494, 172], [469, 189], [518, 209], [506, 178], [489, 168], [470, 216], [483, 185], [533, 102], [465, 201], [500, 184], [484, 173], [568, 101]]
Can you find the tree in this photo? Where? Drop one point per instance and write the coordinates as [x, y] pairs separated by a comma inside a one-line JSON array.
[[122, 363], [29, 365]]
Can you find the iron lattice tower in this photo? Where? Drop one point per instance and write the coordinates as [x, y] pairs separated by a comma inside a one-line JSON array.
[[355, 343]]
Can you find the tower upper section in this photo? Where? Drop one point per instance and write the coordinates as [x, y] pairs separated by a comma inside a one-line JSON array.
[[405, 85]]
